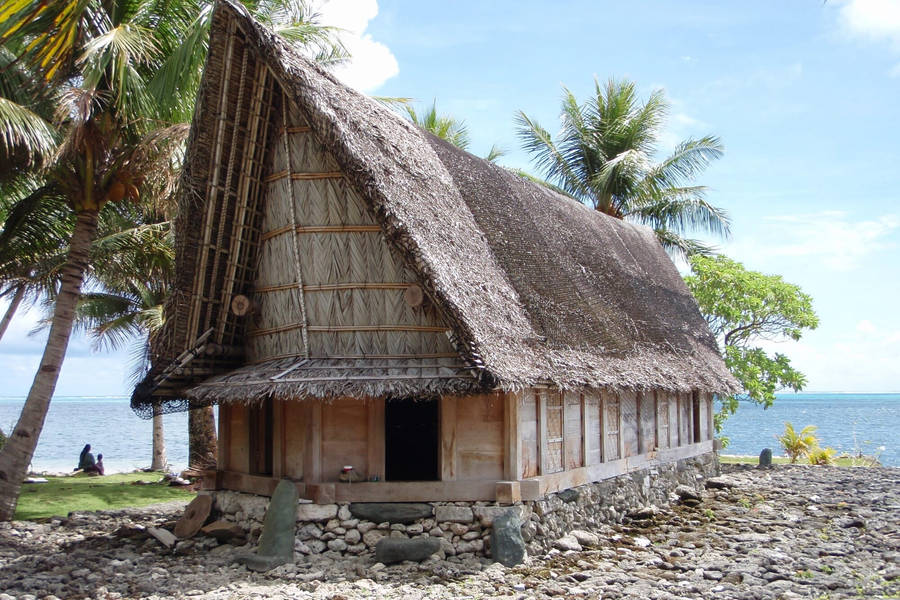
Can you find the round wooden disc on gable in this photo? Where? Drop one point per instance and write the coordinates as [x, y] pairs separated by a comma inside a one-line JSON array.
[[414, 295], [240, 305], [195, 516]]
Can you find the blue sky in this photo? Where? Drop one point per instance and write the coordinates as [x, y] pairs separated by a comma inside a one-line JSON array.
[[803, 94]]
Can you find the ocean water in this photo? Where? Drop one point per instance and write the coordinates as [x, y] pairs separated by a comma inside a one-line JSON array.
[[108, 425], [851, 423], [846, 422]]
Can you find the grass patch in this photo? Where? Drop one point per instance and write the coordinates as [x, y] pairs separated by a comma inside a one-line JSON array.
[[62, 495], [839, 461]]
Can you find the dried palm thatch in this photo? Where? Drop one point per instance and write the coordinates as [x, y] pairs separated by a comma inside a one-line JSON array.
[[295, 185]]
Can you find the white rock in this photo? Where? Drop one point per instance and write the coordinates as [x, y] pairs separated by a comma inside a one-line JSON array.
[[586, 538], [567, 542], [370, 538], [316, 512], [164, 536], [353, 536]]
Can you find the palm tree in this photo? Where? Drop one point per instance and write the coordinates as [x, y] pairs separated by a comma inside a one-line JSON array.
[[603, 156], [445, 127], [119, 74], [797, 444]]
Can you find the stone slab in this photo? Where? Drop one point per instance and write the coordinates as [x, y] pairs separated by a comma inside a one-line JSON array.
[[394, 550], [453, 514], [391, 512]]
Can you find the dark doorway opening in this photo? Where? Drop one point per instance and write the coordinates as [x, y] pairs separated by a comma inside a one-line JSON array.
[[411, 440], [695, 409], [261, 438]]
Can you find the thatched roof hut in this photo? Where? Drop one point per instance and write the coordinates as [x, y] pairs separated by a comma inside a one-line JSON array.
[[520, 285]]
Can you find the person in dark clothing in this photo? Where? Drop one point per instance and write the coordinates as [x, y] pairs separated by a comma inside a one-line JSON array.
[[86, 462], [99, 466]]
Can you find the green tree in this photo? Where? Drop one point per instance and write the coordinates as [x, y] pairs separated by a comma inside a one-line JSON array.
[[604, 156], [120, 74], [743, 308]]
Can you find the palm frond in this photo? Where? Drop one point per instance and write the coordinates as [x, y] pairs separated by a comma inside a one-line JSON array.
[[682, 247], [21, 129]]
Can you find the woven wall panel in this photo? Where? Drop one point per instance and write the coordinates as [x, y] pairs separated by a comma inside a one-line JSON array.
[[554, 431], [330, 263], [611, 426]]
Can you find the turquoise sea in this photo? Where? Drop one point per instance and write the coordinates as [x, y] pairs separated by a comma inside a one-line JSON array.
[[107, 424], [851, 423], [846, 422]]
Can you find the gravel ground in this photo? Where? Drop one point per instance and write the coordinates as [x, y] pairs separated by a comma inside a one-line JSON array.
[[788, 532]]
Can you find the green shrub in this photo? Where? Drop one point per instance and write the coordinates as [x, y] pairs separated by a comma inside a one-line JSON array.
[[798, 444], [2, 439], [821, 456]]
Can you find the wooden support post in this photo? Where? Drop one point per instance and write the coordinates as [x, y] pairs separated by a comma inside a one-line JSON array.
[[603, 453], [375, 459], [448, 438], [530, 489], [585, 433], [321, 493], [543, 459], [508, 492], [564, 418], [312, 470], [278, 441], [224, 437], [621, 427], [512, 463], [639, 423]]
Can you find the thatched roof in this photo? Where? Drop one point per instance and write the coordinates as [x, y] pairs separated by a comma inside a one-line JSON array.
[[537, 288]]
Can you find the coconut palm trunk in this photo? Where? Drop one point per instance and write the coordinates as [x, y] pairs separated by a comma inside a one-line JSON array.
[[16, 455], [160, 461], [13, 306]]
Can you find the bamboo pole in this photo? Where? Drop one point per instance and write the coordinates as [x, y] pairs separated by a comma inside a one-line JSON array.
[[215, 161], [244, 178], [294, 249], [320, 229], [329, 287], [229, 175]]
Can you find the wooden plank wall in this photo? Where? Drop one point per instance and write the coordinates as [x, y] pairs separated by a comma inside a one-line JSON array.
[[528, 435], [603, 427], [473, 437], [496, 436]]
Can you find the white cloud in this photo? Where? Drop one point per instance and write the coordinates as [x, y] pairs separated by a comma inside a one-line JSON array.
[[856, 361], [837, 240], [371, 62], [866, 327], [877, 20]]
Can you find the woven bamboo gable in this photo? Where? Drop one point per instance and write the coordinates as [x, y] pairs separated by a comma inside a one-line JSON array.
[[327, 282]]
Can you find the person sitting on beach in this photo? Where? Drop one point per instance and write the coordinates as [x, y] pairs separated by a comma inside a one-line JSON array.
[[86, 462], [99, 466]]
